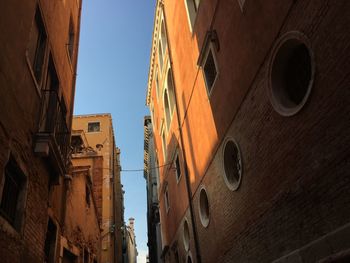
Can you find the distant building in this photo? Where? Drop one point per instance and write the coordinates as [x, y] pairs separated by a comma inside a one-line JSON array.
[[250, 114], [151, 174], [39, 51], [99, 135], [131, 253]]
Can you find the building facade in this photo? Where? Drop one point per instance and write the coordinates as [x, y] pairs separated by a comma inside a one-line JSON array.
[[39, 48], [249, 106], [98, 130], [151, 176], [130, 238]]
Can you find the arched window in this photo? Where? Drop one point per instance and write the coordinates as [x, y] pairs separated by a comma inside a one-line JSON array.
[[163, 37], [170, 84], [167, 108]]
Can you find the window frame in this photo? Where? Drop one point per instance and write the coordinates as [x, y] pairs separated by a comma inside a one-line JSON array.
[[38, 21], [166, 199], [189, 18], [210, 48], [177, 167], [17, 224], [91, 122], [232, 186]]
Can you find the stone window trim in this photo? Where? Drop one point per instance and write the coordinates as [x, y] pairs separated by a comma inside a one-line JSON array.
[[38, 16], [211, 45], [17, 227], [169, 99], [283, 45], [231, 186], [241, 4], [204, 218], [162, 41], [189, 257], [192, 13], [186, 234]]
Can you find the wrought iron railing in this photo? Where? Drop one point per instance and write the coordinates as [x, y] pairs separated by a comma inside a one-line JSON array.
[[53, 121]]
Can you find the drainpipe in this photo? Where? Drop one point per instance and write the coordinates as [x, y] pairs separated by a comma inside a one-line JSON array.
[[188, 183]]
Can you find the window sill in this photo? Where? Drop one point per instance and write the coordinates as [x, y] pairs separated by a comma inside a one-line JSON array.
[[9, 229]]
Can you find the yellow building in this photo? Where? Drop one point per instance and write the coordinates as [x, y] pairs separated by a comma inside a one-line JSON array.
[[99, 134]]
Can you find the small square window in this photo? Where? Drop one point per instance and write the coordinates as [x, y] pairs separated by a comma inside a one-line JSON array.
[[210, 70], [93, 127], [12, 194]]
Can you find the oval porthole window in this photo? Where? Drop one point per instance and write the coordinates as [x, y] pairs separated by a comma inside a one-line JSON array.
[[291, 73], [204, 207], [186, 235], [232, 164]]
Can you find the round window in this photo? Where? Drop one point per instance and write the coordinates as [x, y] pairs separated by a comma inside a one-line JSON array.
[[291, 73], [232, 164], [203, 207], [186, 235]]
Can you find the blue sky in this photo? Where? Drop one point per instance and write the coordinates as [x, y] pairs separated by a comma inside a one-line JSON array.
[[114, 51]]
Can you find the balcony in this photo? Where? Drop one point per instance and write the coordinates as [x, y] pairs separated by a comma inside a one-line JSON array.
[[52, 139]]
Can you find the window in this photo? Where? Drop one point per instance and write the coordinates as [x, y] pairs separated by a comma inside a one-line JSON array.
[[50, 242], [164, 145], [69, 257], [166, 197], [186, 235], [160, 56], [177, 167], [86, 256], [37, 46], [170, 87], [210, 69], [87, 195], [71, 36], [241, 4], [192, 8], [93, 127], [163, 38], [203, 207], [157, 85], [291, 73], [232, 164], [166, 109], [12, 198], [49, 100]]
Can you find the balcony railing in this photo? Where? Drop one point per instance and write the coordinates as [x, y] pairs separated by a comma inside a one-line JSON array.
[[52, 139]]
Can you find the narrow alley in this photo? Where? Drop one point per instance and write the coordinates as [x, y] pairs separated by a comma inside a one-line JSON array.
[[166, 131]]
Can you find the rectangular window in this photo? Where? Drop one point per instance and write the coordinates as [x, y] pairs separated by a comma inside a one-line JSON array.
[[71, 36], [166, 196], [10, 207], [49, 100], [210, 70], [177, 168], [93, 127], [87, 195], [164, 145], [37, 46], [50, 242]]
